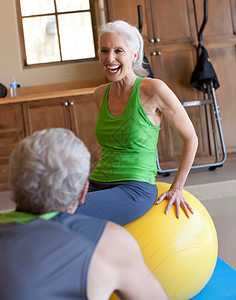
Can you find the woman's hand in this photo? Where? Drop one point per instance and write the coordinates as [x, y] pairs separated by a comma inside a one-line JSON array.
[[175, 197]]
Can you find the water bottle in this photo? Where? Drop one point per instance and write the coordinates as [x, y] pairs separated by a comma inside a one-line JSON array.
[[13, 88]]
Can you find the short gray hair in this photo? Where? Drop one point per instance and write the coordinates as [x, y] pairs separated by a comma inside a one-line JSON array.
[[134, 39], [48, 170]]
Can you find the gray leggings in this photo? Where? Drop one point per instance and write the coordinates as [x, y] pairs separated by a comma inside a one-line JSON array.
[[120, 202]]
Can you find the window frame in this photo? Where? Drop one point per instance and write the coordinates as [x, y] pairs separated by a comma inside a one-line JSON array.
[[61, 62]]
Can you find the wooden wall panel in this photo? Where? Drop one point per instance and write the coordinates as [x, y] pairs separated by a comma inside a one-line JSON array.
[[224, 61]]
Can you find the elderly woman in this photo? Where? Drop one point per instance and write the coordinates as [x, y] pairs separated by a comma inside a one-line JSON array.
[[122, 186]]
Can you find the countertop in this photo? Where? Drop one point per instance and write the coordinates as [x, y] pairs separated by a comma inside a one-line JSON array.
[[46, 95]]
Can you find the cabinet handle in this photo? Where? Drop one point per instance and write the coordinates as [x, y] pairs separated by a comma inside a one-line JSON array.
[[71, 103], [0, 145], [151, 40], [158, 40], [154, 53], [3, 171], [66, 103]]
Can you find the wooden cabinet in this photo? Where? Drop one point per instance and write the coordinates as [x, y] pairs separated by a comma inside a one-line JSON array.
[[127, 11], [221, 24], [47, 113], [174, 65], [170, 36], [78, 113], [164, 22], [172, 22], [11, 132], [157, 27]]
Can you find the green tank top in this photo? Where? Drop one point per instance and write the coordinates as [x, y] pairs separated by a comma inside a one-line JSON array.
[[128, 142]]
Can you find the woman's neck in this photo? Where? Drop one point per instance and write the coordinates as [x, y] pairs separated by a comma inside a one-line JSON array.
[[123, 87]]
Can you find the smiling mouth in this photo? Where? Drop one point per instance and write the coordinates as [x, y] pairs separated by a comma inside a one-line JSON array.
[[114, 69]]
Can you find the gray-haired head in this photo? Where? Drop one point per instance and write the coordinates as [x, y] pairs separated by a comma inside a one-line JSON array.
[[134, 39], [48, 171]]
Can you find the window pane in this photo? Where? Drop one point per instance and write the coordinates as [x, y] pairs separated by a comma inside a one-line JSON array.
[[36, 7], [41, 40], [72, 5], [76, 36]]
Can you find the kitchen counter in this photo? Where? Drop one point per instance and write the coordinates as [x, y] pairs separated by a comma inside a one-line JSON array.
[[46, 95]]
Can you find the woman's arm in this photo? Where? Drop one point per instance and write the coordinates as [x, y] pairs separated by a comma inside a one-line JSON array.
[[168, 106]]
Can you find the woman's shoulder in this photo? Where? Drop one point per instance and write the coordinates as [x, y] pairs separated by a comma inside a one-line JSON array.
[[99, 93], [153, 86]]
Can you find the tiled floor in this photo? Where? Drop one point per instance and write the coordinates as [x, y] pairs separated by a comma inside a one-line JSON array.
[[216, 190]]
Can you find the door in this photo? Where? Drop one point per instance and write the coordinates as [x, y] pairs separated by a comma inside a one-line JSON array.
[[173, 21], [43, 114]]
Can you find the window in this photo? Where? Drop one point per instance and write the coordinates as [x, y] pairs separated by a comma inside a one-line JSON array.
[[55, 31]]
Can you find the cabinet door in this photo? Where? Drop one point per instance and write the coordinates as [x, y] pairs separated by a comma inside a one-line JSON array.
[[164, 22], [43, 114], [174, 65], [11, 133], [173, 21], [83, 115], [127, 11], [221, 23]]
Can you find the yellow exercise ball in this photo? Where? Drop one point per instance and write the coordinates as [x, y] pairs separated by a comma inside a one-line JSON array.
[[181, 253]]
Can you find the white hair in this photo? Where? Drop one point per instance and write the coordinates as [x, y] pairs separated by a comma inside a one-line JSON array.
[[134, 39], [48, 170]]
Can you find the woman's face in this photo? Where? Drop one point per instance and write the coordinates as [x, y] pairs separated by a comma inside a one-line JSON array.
[[115, 56]]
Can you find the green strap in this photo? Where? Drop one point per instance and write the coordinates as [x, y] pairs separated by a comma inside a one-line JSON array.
[[22, 217]]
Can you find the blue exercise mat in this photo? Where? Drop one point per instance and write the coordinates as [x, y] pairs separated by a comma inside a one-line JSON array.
[[222, 284]]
